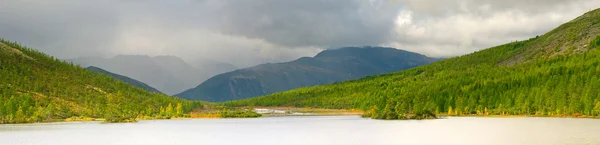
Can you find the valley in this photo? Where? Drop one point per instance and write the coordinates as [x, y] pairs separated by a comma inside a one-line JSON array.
[[168, 74], [300, 72], [535, 77]]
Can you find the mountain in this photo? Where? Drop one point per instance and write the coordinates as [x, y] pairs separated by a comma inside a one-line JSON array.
[[138, 67], [327, 67], [36, 87], [211, 67], [556, 74], [168, 74], [123, 79], [188, 75]]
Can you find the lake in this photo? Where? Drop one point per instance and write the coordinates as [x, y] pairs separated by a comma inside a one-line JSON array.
[[310, 130]]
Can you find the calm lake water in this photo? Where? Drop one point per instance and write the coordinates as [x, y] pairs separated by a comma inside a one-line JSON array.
[[326, 130]]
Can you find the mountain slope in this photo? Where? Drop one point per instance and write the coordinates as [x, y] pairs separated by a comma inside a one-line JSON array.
[[35, 87], [212, 68], [556, 74], [326, 67], [168, 74], [183, 72], [139, 67], [123, 79]]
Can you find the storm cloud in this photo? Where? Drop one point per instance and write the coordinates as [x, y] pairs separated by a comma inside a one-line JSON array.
[[249, 32]]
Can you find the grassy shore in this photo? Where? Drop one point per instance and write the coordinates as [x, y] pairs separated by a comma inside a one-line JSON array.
[[210, 112], [247, 112]]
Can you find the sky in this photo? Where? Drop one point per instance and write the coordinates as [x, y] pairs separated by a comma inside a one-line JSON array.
[[251, 32]]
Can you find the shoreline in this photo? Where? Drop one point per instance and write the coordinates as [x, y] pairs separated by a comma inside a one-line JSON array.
[[294, 111], [522, 116], [267, 116]]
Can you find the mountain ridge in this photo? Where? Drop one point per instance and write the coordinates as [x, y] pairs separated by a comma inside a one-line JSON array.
[[168, 74], [124, 79], [325, 68]]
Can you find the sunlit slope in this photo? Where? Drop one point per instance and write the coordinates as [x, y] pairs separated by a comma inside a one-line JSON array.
[[36, 87], [554, 74]]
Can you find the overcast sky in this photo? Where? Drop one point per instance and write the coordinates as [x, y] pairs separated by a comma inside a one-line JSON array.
[[249, 32]]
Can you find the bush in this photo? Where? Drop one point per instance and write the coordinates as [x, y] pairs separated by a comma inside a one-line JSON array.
[[596, 42], [119, 120], [248, 113]]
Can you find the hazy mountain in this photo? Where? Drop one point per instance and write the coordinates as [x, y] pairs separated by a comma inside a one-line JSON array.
[[188, 75], [168, 74], [124, 79], [211, 67], [329, 66]]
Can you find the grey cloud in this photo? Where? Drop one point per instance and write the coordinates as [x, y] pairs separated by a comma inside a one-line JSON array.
[[287, 29], [58, 27], [248, 32], [325, 23], [451, 28], [442, 8]]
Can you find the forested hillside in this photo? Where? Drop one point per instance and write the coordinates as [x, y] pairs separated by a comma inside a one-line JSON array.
[[35, 87], [329, 66], [123, 79], [556, 74]]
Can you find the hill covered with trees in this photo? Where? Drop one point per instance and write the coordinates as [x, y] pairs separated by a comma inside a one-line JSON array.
[[329, 66], [35, 87], [556, 74]]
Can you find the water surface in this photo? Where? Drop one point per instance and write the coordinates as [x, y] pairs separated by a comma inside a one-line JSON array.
[[303, 130]]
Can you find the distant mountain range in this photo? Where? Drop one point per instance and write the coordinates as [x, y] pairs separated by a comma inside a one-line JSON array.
[[329, 66], [168, 74], [124, 79]]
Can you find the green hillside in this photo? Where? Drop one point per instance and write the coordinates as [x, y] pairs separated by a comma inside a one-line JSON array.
[[556, 74], [35, 87]]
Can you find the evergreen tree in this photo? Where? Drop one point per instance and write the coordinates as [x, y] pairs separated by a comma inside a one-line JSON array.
[[179, 109]]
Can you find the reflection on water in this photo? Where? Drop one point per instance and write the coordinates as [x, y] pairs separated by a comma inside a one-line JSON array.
[[342, 130]]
